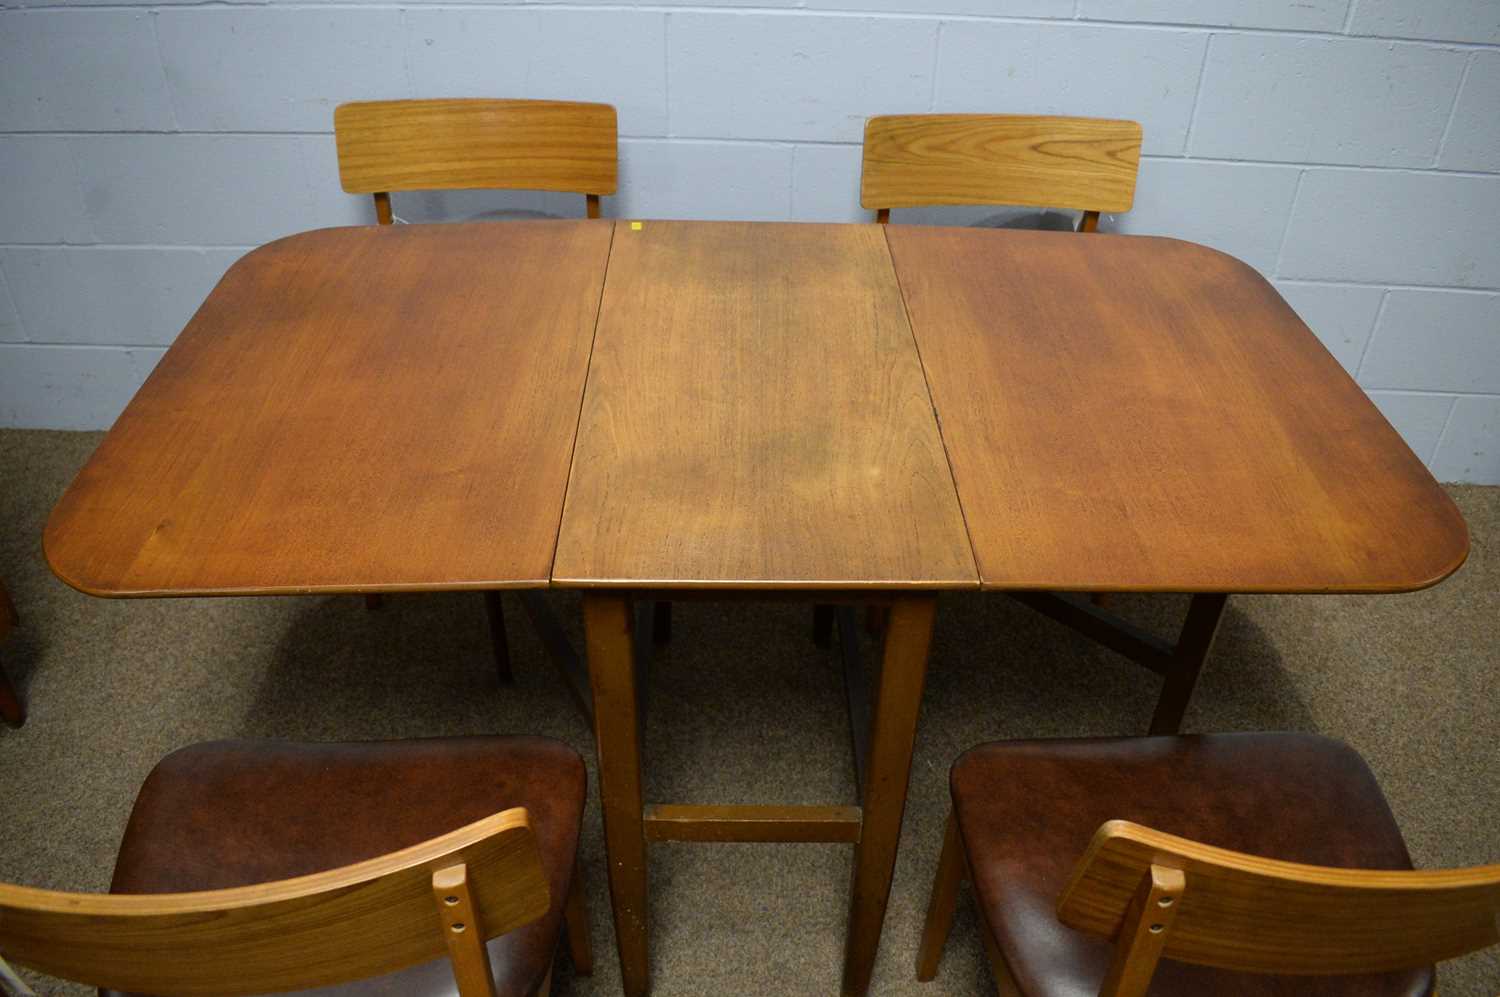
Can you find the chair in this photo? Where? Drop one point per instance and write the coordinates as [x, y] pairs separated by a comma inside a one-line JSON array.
[[1274, 867], [916, 160], [11, 709], [391, 145], [259, 866], [400, 145], [922, 160]]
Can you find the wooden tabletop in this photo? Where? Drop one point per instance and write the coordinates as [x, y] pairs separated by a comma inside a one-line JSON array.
[[1146, 414], [356, 409], [756, 417], [395, 408]]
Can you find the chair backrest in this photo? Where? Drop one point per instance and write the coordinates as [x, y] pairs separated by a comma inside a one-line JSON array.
[[447, 894], [913, 160], [387, 145], [1161, 895]]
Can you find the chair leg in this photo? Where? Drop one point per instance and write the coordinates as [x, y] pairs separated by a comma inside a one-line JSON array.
[[496, 612], [576, 923], [823, 617], [11, 710], [545, 990], [661, 622], [943, 902]]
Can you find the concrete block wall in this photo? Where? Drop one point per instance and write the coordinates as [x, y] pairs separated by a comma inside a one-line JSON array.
[[1348, 149]]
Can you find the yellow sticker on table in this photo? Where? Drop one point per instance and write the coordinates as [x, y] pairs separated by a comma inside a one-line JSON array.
[[635, 226]]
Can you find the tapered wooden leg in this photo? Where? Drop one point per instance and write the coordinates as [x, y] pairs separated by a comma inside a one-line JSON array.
[[611, 645], [11, 710], [823, 617], [1193, 645], [898, 698], [495, 610], [942, 903], [661, 622], [576, 922]]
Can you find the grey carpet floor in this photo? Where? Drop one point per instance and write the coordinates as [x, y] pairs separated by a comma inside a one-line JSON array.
[[743, 708]]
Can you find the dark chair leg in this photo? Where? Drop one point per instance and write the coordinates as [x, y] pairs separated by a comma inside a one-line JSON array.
[[823, 617], [1191, 651], [661, 622], [496, 613], [11, 710]]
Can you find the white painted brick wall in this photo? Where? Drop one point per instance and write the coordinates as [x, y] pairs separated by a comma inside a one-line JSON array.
[[1291, 99], [1348, 149]]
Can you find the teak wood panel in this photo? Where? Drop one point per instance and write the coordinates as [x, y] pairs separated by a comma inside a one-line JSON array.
[[387, 145], [756, 417], [343, 924], [351, 410], [1045, 162], [1127, 413], [1247, 912]]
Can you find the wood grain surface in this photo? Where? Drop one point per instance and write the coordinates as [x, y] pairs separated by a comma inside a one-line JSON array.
[[1127, 413], [353, 409], [1045, 162], [342, 924], [1262, 915], [387, 145], [756, 418]]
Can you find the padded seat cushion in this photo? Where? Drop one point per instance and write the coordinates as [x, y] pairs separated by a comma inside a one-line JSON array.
[[235, 813], [1026, 811]]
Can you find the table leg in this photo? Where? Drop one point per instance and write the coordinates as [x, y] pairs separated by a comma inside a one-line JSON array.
[[1192, 648], [898, 698], [611, 660]]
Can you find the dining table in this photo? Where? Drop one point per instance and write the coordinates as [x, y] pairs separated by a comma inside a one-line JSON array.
[[837, 414]]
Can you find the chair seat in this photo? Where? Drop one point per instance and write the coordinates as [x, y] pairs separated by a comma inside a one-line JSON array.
[[1026, 811], [234, 813]]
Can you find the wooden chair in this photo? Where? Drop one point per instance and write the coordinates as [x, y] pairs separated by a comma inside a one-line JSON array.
[[188, 912], [917, 160], [11, 709], [402, 145], [391, 145], [1306, 888], [922, 160]]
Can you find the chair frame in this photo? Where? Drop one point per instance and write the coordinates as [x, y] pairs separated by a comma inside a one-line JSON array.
[[1156, 895], [449, 894]]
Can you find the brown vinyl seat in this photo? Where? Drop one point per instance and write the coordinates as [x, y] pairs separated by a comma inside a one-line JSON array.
[[1024, 811], [231, 814]]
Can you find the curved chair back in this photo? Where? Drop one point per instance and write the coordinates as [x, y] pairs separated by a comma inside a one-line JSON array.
[[449, 894], [914, 160], [387, 145], [1160, 895]]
